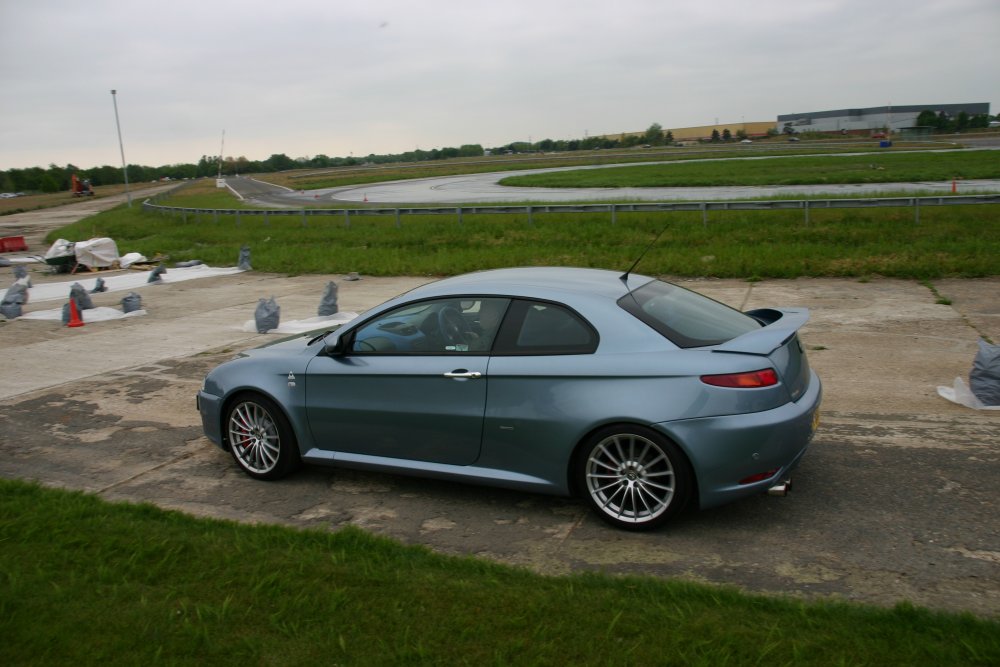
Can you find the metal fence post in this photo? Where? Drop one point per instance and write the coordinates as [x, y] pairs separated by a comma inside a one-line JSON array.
[[304, 223], [397, 218], [916, 211], [531, 219], [267, 222], [614, 215], [347, 218], [237, 217], [805, 205], [704, 214], [458, 211]]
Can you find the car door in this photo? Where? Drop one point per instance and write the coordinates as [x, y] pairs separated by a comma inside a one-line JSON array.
[[411, 385], [543, 386]]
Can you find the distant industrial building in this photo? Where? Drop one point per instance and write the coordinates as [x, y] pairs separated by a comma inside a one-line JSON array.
[[873, 119], [704, 132], [900, 120], [749, 128]]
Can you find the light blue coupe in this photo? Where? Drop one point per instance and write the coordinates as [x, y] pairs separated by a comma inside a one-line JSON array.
[[635, 393]]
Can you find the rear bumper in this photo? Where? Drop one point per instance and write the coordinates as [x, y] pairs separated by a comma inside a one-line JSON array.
[[725, 450]]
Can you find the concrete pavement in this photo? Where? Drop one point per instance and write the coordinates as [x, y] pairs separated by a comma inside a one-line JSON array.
[[896, 500]]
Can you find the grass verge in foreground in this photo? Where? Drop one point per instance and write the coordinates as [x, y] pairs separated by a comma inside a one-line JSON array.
[[83, 581], [958, 241]]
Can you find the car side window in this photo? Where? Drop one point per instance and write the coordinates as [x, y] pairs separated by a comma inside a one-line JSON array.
[[439, 326], [536, 327]]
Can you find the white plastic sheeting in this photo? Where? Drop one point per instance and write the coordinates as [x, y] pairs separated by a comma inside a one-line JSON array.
[[961, 394], [99, 314], [61, 248], [122, 281], [98, 253], [130, 258], [302, 326]]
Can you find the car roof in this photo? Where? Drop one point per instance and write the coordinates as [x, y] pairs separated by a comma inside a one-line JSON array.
[[535, 281]]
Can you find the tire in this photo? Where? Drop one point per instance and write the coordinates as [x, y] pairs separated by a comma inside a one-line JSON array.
[[633, 477], [260, 438]]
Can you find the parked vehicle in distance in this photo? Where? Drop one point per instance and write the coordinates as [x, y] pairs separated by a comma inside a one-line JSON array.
[[81, 188], [637, 394]]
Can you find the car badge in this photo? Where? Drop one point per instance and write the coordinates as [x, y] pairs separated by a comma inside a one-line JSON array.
[[291, 379]]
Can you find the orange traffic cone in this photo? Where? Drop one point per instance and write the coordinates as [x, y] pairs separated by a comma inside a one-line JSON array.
[[74, 315]]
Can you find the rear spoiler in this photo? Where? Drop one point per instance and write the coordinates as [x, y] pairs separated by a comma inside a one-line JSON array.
[[779, 325]]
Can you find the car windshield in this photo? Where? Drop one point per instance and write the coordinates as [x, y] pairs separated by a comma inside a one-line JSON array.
[[686, 318]]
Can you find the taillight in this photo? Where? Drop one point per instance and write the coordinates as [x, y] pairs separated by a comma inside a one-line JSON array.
[[765, 377]]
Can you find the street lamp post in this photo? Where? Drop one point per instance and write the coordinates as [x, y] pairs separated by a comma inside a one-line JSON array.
[[121, 147]]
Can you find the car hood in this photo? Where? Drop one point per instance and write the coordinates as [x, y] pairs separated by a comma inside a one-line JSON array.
[[282, 346]]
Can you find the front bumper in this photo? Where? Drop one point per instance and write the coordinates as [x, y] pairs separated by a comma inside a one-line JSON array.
[[210, 408]]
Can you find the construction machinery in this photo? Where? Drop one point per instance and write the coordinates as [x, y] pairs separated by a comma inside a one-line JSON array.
[[81, 188]]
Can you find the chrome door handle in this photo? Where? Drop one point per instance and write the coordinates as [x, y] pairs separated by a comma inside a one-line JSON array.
[[464, 374]]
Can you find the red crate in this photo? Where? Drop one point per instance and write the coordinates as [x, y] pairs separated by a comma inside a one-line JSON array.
[[12, 244]]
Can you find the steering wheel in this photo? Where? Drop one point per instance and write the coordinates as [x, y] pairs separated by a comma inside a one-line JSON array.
[[452, 325]]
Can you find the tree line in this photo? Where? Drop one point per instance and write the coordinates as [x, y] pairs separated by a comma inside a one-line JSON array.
[[942, 122]]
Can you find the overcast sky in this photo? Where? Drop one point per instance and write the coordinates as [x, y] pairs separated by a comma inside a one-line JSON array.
[[308, 77]]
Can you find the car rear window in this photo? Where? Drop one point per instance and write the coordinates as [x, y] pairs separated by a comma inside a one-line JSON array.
[[686, 318]]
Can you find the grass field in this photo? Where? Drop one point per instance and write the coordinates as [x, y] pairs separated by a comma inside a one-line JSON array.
[[34, 202], [85, 582], [868, 168], [339, 176], [959, 241]]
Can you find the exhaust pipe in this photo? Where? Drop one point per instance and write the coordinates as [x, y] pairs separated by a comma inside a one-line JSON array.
[[781, 488]]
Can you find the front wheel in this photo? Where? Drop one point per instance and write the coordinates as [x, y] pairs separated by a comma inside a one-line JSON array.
[[633, 477], [260, 437]]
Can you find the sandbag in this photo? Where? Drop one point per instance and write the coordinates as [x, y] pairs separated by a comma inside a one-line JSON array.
[[244, 262], [267, 315], [984, 378], [79, 293], [16, 293], [131, 303], [10, 310], [328, 304], [155, 276], [21, 275]]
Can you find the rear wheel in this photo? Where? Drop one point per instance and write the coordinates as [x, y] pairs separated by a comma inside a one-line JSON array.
[[633, 477], [260, 437]]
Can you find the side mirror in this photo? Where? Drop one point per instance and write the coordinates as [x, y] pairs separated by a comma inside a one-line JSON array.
[[337, 347]]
